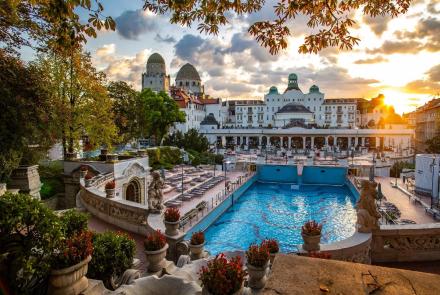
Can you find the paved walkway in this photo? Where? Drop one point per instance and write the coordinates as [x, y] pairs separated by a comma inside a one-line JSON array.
[[408, 209]]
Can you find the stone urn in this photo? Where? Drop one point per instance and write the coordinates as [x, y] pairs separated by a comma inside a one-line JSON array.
[[205, 291], [156, 259], [196, 250], [111, 158], [70, 156], [110, 193], [171, 228], [311, 242], [272, 257], [104, 152], [69, 281], [257, 275], [142, 153]]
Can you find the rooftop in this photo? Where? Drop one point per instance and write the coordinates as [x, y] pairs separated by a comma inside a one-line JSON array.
[[294, 108], [188, 72]]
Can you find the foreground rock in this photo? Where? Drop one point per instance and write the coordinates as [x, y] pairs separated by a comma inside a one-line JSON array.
[[301, 275]]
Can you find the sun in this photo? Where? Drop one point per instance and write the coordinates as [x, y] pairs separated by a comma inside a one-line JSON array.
[[401, 101]]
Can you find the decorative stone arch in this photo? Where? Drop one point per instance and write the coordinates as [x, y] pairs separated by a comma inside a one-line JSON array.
[[90, 170], [134, 169], [134, 190]]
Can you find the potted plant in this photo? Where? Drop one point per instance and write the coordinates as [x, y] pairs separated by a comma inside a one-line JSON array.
[[172, 221], [273, 247], [83, 171], [311, 234], [222, 276], [196, 244], [88, 179], [110, 189], [257, 262], [69, 274], [155, 250]]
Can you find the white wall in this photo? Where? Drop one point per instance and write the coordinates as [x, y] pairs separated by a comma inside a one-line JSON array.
[[426, 173]]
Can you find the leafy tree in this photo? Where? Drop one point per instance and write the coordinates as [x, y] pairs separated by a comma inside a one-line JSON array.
[[49, 22], [158, 113], [191, 140], [83, 107], [330, 21], [26, 114], [125, 108], [29, 233]]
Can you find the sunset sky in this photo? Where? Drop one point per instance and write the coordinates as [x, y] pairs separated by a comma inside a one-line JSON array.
[[397, 57]]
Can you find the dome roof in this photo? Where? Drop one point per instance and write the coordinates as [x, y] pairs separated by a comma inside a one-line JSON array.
[[294, 108], [293, 76], [156, 58], [209, 120], [188, 72], [273, 90], [314, 88]]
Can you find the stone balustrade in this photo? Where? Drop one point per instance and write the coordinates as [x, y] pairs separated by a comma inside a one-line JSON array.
[[411, 242], [125, 214], [99, 181]]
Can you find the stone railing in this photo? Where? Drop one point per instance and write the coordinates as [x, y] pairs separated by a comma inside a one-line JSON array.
[[412, 242], [124, 214], [353, 249], [100, 180]]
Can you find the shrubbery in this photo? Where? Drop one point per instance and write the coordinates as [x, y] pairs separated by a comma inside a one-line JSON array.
[[74, 222], [165, 157], [397, 168], [113, 253], [29, 233]]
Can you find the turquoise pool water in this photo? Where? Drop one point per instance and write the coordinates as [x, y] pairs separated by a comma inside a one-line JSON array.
[[275, 210]]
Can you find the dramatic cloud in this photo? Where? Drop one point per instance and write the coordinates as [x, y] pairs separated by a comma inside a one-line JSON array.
[[391, 47], [378, 24], [422, 86], [434, 73], [374, 60], [165, 39], [187, 47], [132, 23], [105, 50]]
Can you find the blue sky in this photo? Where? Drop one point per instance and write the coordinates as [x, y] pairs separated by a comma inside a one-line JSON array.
[[398, 57]]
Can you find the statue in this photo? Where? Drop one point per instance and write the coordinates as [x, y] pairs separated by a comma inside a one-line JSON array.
[[155, 196], [367, 213]]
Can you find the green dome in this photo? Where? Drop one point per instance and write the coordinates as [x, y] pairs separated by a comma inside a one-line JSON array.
[[293, 76], [314, 88], [273, 90], [156, 58], [188, 72]]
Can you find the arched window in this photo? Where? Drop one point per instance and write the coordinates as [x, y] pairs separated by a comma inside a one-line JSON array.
[[133, 192]]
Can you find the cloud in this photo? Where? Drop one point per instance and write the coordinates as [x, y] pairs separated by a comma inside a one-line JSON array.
[[188, 46], [378, 24], [132, 23], [374, 60], [434, 73], [422, 86], [105, 50], [391, 47], [165, 39], [432, 7]]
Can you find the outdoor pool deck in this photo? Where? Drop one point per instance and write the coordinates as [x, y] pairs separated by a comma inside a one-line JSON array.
[[409, 209]]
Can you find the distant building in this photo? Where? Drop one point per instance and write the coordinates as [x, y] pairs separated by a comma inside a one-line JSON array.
[[156, 77], [427, 175], [427, 123]]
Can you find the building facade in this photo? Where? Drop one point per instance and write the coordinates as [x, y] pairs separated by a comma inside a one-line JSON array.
[[427, 123], [156, 77]]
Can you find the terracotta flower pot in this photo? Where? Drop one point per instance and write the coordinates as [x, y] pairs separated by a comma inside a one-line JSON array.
[[71, 280], [196, 250], [171, 228], [257, 276], [156, 259], [311, 243], [110, 193]]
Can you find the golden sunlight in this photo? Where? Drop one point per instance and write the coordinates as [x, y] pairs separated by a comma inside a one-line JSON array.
[[401, 101]]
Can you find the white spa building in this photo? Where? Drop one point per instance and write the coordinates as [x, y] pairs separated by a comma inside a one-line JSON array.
[[288, 118]]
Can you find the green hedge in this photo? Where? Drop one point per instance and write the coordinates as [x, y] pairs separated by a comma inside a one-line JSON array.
[[112, 254], [164, 156]]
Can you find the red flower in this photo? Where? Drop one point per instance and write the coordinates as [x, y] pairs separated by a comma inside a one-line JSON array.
[[272, 245], [155, 241], [172, 215]]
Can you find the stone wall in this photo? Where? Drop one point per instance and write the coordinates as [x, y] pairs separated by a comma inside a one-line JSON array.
[[414, 242]]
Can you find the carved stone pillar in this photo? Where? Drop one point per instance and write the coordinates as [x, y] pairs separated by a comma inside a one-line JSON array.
[[27, 180], [304, 142]]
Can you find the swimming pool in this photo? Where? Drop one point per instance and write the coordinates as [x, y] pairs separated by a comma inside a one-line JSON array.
[[277, 210]]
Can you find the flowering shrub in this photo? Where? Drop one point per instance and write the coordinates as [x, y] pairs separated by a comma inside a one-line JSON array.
[[222, 276], [257, 255], [312, 228], [322, 255], [88, 176], [75, 249], [74, 222], [197, 238], [272, 245], [172, 214], [155, 241], [110, 185]]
